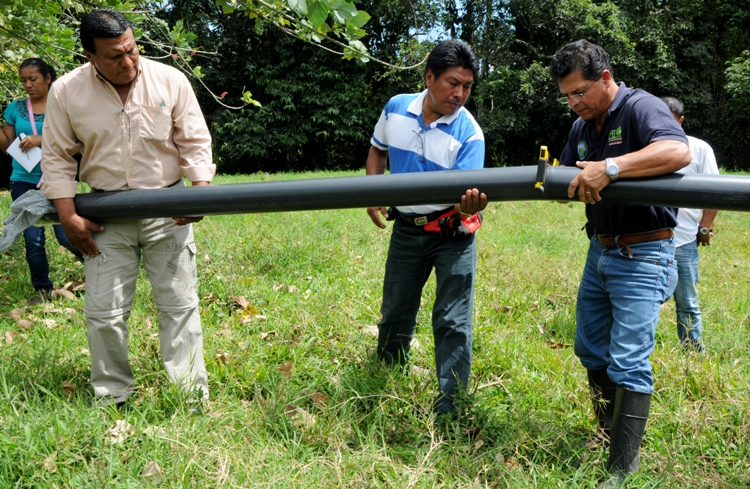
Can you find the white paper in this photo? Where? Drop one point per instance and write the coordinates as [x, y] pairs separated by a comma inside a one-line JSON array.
[[29, 159]]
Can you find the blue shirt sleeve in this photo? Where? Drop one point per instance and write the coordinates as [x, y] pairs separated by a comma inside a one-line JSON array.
[[11, 113], [470, 156]]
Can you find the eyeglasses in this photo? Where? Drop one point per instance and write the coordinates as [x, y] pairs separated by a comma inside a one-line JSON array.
[[575, 96], [420, 149]]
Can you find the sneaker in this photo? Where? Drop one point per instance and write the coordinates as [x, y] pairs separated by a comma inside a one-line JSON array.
[[40, 297]]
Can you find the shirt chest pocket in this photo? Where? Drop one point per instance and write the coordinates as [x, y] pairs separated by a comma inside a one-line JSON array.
[[156, 121]]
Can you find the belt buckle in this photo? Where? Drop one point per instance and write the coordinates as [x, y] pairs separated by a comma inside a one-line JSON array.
[[421, 220]]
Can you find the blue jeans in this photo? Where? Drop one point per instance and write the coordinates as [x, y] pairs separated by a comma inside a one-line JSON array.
[[689, 322], [36, 255], [618, 307], [412, 255]]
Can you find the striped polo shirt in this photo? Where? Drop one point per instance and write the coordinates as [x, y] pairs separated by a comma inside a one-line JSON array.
[[453, 142]]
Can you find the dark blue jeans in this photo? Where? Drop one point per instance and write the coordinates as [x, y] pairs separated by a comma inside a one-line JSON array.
[[36, 255], [412, 255]]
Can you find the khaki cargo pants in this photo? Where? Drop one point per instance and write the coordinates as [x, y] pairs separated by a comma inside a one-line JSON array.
[[168, 253]]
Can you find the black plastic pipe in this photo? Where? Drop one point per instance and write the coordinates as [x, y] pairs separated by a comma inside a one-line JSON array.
[[500, 184]]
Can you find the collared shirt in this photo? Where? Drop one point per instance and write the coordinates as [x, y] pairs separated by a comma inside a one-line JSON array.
[[158, 136], [703, 162], [634, 120], [453, 142]]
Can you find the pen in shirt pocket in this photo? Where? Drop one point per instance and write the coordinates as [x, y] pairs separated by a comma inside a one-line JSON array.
[[161, 104]]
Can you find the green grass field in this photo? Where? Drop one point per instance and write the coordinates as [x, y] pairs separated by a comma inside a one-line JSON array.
[[298, 399]]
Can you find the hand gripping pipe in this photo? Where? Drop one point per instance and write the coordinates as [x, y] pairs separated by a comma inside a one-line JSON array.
[[720, 192]]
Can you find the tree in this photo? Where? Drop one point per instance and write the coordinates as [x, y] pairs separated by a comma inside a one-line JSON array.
[[47, 29]]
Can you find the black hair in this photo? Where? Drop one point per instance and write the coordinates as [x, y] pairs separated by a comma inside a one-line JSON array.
[[451, 53], [43, 68], [102, 24], [582, 55], [675, 106]]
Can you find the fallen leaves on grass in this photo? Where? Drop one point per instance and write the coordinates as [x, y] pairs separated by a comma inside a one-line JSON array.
[[69, 389], [249, 311], [74, 285], [286, 369], [63, 293], [121, 431], [17, 313], [319, 399], [24, 324], [557, 346], [300, 418], [372, 330], [9, 335], [50, 463], [152, 473]]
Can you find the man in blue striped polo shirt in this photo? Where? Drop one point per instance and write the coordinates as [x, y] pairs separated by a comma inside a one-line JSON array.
[[424, 132]]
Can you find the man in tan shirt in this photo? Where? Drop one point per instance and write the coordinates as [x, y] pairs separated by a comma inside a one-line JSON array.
[[138, 125]]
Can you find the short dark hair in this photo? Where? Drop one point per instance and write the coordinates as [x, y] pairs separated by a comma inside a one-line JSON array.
[[43, 68], [451, 53], [102, 24], [675, 106], [582, 55]]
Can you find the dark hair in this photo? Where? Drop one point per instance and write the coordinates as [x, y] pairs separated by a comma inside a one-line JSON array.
[[451, 53], [102, 24], [582, 55], [675, 106], [43, 68]]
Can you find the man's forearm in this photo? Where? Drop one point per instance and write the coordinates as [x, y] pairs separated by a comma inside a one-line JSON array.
[[707, 220], [658, 158], [66, 208]]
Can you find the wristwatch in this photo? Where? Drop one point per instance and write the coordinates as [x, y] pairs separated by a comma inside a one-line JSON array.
[[704, 230], [612, 170]]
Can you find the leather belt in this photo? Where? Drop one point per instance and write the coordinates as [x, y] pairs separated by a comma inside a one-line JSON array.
[[419, 220], [628, 239]]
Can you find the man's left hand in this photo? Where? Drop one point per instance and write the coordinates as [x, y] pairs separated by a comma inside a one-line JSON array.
[[472, 202], [182, 221], [589, 182], [705, 239]]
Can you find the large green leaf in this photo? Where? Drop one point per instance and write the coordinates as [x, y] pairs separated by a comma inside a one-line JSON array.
[[317, 13]]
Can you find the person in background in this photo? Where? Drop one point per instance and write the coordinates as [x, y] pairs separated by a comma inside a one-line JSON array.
[[694, 229], [630, 269], [138, 125], [424, 132], [36, 78]]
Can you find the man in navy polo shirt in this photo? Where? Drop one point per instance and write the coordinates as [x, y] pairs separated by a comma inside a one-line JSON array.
[[423, 132], [630, 269]]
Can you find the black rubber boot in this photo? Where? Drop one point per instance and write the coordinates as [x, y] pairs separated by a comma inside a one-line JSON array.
[[628, 427], [603, 392]]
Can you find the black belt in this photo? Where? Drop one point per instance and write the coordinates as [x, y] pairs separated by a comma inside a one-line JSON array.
[[417, 220]]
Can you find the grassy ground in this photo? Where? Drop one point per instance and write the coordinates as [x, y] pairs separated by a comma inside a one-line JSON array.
[[297, 399]]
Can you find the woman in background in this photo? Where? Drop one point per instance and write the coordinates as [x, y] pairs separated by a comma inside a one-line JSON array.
[[36, 78]]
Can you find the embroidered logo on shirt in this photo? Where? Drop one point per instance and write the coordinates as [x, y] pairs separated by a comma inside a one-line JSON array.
[[583, 149], [615, 136]]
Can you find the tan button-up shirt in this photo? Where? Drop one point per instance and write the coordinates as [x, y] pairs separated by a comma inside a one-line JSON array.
[[158, 136]]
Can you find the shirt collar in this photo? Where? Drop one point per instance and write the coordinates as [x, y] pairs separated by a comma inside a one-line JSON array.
[[415, 107]]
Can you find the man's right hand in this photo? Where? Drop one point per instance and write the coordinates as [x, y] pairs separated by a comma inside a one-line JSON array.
[[77, 229], [373, 213]]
